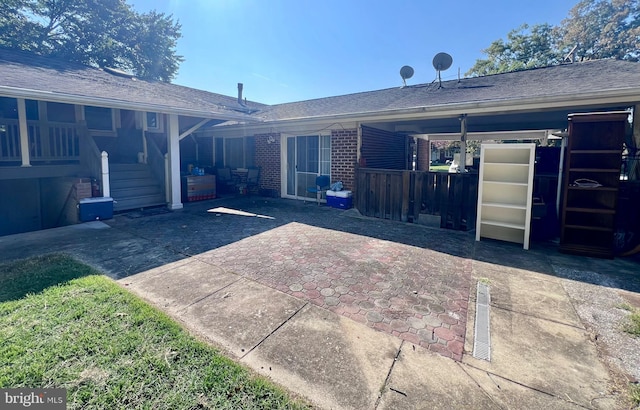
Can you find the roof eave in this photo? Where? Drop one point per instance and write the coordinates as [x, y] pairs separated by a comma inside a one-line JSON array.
[[16, 92], [616, 96]]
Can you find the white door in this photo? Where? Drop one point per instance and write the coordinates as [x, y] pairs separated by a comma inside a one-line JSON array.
[[307, 157]]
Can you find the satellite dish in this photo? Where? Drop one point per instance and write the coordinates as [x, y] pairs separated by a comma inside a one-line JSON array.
[[406, 72], [441, 62]]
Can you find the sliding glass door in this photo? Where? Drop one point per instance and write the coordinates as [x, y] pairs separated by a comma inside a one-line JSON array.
[[307, 157]]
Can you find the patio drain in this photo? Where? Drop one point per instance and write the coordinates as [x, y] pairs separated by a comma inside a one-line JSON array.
[[482, 334]]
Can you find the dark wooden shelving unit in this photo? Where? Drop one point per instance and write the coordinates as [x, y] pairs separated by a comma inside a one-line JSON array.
[[594, 153]]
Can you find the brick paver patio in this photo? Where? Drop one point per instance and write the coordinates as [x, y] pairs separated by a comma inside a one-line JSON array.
[[419, 295]]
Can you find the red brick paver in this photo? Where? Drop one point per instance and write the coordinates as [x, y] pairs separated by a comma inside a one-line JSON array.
[[416, 294]]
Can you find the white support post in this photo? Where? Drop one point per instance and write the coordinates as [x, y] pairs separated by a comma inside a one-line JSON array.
[[144, 137], [173, 143], [167, 179], [24, 132], [106, 189], [463, 143]]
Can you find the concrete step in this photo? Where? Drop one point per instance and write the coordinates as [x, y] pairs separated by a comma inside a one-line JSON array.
[[132, 183], [127, 167], [133, 186], [137, 202], [129, 174], [134, 191]]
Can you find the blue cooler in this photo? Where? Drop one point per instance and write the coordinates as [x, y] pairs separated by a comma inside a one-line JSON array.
[[92, 209], [340, 199]]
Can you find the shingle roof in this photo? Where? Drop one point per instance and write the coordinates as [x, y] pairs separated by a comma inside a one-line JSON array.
[[27, 71], [564, 80], [22, 70]]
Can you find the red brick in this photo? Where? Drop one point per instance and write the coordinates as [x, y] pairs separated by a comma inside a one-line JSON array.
[[446, 334]]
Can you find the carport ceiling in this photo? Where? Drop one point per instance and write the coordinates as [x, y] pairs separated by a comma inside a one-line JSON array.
[[538, 120]]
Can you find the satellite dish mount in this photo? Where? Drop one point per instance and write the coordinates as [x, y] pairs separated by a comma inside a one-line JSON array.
[[406, 72], [441, 62]]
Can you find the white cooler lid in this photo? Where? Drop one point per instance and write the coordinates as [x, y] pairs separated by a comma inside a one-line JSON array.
[[96, 200], [343, 194]]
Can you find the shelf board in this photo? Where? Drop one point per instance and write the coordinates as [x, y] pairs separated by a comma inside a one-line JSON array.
[[589, 228], [596, 151], [505, 183], [516, 164], [607, 170], [503, 224], [591, 210], [586, 250], [503, 205], [591, 188]]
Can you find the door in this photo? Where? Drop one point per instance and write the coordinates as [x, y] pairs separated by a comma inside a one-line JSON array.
[[307, 157]]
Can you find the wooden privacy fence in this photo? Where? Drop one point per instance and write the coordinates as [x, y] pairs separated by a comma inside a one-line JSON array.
[[420, 197]]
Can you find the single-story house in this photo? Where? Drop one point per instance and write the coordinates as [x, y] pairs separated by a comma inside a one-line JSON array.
[[56, 118]]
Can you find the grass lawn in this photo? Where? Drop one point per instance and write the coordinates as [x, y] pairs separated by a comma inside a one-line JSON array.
[[64, 325], [434, 168]]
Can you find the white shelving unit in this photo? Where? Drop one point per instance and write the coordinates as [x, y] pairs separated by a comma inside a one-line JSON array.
[[505, 191]]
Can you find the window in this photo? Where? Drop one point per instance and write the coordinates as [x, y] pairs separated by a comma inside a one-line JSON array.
[[154, 121], [32, 110], [98, 118], [234, 153], [60, 112], [9, 108], [238, 152]]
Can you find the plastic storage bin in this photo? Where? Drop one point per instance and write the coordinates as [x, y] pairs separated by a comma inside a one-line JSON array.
[[92, 209], [340, 199]]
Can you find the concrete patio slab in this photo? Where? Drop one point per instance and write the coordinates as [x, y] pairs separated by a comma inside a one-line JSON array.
[[177, 288], [423, 380], [544, 355], [527, 292], [241, 315], [334, 361], [506, 394]]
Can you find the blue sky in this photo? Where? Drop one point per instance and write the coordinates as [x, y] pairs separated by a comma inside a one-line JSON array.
[[294, 50]]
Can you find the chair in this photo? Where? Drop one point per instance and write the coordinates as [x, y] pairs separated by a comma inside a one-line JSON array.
[[322, 185], [225, 181], [253, 176]]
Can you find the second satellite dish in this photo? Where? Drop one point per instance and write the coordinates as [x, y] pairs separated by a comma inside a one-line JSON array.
[[406, 72], [441, 62]]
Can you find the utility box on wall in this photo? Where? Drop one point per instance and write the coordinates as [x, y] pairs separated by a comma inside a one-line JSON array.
[[93, 209]]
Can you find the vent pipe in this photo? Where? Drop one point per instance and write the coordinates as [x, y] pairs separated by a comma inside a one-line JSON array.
[[240, 94]]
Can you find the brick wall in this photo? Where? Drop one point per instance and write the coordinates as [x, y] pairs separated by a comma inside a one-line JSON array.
[[344, 156], [268, 159], [423, 159]]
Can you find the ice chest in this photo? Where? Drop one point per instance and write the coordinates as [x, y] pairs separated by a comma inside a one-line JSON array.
[[92, 209], [340, 199]]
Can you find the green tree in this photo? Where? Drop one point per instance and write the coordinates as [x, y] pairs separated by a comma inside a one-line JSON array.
[[102, 33], [594, 29], [526, 47], [603, 29]]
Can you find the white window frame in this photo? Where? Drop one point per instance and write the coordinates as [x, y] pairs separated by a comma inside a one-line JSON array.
[[115, 121], [159, 122]]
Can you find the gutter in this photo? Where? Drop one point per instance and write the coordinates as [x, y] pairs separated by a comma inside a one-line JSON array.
[[119, 104], [455, 109]]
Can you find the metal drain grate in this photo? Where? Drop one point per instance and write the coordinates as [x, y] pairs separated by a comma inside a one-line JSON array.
[[482, 334]]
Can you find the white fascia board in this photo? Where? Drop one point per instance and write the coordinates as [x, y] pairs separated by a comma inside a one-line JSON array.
[[110, 103], [489, 135], [319, 127], [497, 107]]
